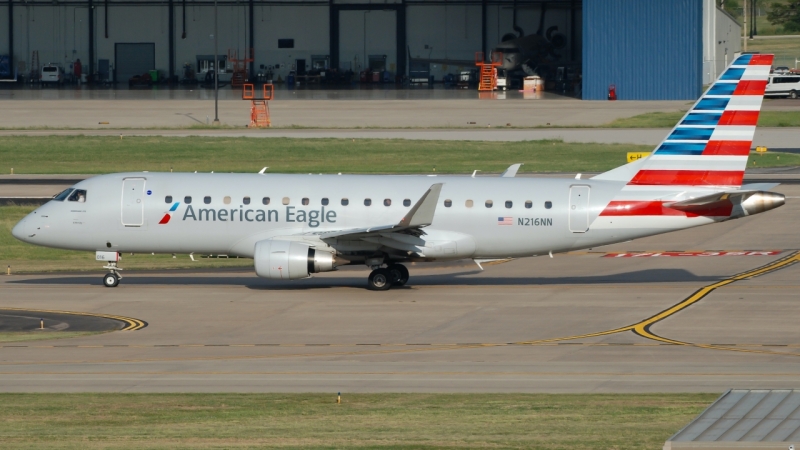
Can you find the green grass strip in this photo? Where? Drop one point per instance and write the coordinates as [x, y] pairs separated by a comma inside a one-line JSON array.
[[669, 119], [366, 421], [103, 154]]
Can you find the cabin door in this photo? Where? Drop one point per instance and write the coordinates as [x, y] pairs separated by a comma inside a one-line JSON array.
[[133, 202], [579, 209]]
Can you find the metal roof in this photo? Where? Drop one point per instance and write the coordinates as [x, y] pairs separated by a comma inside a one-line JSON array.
[[747, 415]]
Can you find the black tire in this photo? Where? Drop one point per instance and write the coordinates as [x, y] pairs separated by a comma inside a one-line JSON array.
[[110, 280], [793, 94], [399, 274], [379, 280]]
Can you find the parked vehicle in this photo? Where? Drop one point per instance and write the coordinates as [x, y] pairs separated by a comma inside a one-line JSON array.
[[781, 70], [51, 73], [783, 86]]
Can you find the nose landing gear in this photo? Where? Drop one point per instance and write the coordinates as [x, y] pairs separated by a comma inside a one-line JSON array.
[[111, 279], [383, 279]]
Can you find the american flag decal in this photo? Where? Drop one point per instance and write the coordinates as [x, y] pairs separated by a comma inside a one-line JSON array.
[[505, 221]]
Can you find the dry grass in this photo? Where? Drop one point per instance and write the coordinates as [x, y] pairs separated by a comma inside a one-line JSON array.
[[390, 421]]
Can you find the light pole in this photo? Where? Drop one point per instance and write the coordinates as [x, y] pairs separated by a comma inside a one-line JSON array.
[[216, 69]]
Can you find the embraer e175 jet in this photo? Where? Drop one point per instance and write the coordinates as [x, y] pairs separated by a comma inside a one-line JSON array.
[[297, 225]]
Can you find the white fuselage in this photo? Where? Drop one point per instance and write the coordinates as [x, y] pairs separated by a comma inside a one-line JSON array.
[[228, 215]]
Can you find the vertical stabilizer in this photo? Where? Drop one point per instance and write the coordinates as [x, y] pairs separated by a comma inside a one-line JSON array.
[[710, 145]]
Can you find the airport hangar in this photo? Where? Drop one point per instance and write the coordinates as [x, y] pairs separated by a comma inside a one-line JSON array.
[[648, 50]]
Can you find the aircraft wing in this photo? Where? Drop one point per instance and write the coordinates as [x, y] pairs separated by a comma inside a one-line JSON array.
[[420, 216]]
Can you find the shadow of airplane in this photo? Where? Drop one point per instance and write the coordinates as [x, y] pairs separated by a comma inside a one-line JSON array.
[[359, 281]]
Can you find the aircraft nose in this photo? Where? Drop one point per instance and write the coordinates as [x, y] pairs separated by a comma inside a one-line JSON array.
[[19, 229]]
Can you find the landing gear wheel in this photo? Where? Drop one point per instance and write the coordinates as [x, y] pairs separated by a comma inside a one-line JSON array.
[[399, 274], [110, 280], [379, 280]]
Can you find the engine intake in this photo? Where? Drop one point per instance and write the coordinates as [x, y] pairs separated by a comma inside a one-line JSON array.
[[289, 260]]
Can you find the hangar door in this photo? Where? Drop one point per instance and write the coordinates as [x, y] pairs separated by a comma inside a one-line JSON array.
[[133, 59], [367, 33]]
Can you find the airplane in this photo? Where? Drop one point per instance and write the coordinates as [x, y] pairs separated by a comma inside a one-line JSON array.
[[294, 226]]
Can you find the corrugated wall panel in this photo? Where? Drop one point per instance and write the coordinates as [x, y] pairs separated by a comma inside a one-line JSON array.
[[651, 50]]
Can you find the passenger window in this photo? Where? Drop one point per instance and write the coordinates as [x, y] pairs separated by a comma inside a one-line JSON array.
[[246, 200], [226, 200], [509, 204], [548, 205], [168, 199], [387, 202], [304, 201], [285, 200], [63, 195], [207, 200], [367, 201], [407, 202], [448, 203], [187, 199], [78, 195], [468, 203], [345, 202], [324, 201], [265, 201], [489, 203], [528, 204]]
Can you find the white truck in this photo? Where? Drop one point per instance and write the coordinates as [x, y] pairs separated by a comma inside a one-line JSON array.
[[786, 85], [51, 73]]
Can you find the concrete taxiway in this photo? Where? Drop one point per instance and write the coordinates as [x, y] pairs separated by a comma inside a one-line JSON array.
[[581, 322]]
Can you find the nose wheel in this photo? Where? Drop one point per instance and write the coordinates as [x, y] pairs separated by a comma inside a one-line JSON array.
[[110, 280], [384, 279]]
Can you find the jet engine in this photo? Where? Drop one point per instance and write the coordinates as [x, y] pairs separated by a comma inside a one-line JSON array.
[[289, 260]]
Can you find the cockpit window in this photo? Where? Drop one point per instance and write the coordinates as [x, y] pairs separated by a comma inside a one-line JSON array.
[[78, 195], [63, 195]]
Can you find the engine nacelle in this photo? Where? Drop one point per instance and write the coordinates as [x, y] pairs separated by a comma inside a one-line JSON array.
[[289, 260]]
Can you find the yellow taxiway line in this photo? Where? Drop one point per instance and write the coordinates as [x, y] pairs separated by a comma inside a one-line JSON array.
[[131, 324]]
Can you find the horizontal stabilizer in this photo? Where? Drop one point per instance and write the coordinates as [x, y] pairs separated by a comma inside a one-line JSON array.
[[733, 203], [758, 186]]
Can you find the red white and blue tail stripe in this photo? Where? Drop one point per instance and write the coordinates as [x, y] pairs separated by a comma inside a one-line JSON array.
[[710, 145], [706, 152]]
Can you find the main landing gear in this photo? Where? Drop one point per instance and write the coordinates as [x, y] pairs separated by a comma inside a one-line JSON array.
[[383, 279], [111, 279]]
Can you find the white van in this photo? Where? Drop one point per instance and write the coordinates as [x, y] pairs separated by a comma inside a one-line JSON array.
[[51, 73], [783, 86]]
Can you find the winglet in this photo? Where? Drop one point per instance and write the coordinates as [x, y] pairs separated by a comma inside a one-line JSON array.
[[261, 172], [511, 172], [421, 214]]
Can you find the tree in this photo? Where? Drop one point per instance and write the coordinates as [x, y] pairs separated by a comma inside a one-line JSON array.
[[732, 7], [786, 14]]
